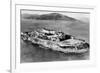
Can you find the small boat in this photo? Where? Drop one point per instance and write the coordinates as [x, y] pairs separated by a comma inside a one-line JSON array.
[[57, 41]]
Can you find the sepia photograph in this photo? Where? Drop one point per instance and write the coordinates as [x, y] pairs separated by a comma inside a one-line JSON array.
[[48, 36]]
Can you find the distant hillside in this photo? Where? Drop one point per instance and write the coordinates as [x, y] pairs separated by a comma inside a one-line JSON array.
[[50, 16]]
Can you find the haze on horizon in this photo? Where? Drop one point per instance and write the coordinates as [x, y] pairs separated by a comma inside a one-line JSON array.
[[80, 16]]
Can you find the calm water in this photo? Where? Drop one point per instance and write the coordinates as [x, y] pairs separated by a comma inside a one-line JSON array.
[[33, 53]]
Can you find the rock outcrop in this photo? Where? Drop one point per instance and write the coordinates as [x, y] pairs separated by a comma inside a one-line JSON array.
[[57, 41]]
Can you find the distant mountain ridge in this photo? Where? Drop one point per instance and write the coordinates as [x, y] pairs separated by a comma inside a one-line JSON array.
[[50, 16]]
